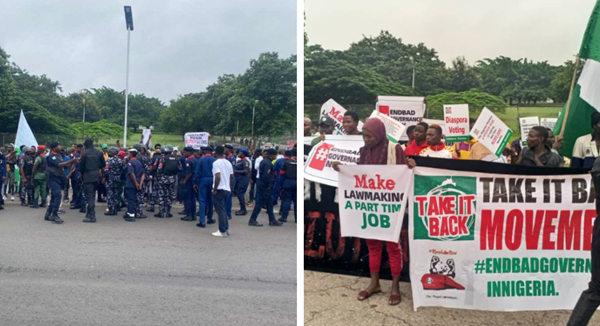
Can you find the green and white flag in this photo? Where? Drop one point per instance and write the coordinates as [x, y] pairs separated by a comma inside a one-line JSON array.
[[586, 94], [24, 134]]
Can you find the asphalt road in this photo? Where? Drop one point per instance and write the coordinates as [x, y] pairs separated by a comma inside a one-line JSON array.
[[151, 272]]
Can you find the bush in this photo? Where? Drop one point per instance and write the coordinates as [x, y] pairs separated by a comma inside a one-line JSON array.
[[100, 129], [476, 99]]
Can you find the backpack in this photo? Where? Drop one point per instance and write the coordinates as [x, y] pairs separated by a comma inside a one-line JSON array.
[[291, 169], [171, 166]]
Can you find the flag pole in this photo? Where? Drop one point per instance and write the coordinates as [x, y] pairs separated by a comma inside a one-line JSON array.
[[564, 123]]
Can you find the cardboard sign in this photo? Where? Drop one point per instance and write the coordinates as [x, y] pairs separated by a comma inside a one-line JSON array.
[[547, 123], [345, 149], [491, 132], [196, 139], [146, 136], [334, 113], [506, 242], [394, 129], [456, 117], [372, 200], [405, 109], [526, 125]]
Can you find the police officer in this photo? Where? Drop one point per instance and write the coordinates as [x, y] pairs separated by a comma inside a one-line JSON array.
[[74, 177], [26, 168], [2, 177], [189, 198], [166, 167], [38, 176], [55, 165], [242, 179], [133, 185], [288, 178], [277, 167], [154, 188], [142, 158], [112, 178], [264, 188], [203, 181], [231, 158], [92, 161]]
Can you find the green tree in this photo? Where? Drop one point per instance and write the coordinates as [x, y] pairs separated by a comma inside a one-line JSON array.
[[476, 99]]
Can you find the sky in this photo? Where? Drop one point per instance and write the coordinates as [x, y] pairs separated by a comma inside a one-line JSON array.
[[177, 46], [541, 30]]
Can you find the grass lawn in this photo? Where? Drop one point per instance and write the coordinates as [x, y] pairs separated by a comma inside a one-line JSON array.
[[157, 138], [510, 116]]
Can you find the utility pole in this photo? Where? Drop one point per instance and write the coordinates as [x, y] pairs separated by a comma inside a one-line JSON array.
[[129, 25], [253, 139]]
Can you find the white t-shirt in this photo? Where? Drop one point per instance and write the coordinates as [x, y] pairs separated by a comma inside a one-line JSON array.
[[223, 167], [258, 160]]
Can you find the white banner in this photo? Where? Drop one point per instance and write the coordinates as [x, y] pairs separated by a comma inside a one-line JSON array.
[[404, 109], [196, 139], [394, 129], [318, 167], [334, 112], [456, 117], [526, 125], [548, 122], [372, 200], [146, 132], [491, 132], [499, 242]]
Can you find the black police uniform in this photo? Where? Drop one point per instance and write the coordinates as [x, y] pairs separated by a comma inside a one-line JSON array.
[[92, 161], [56, 177]]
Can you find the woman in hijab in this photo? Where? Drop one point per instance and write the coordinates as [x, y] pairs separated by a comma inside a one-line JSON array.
[[376, 151]]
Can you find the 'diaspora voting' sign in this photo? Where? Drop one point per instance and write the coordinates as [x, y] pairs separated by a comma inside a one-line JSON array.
[[499, 242]]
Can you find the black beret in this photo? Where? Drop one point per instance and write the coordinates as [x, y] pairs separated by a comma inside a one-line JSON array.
[[228, 146], [53, 145], [271, 151], [188, 149]]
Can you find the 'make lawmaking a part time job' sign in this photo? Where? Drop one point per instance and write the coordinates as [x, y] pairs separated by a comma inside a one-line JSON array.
[[501, 242]]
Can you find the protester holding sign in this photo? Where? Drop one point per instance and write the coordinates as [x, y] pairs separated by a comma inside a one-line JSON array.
[[350, 123], [419, 143], [378, 151], [436, 147], [586, 148]]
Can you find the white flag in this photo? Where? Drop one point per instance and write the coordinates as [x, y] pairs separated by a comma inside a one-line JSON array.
[[24, 134]]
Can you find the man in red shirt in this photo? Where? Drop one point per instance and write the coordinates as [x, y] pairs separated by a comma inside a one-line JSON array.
[[419, 143]]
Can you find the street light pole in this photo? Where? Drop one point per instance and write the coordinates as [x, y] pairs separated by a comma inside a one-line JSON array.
[[253, 140], [129, 24], [413, 75], [83, 118]]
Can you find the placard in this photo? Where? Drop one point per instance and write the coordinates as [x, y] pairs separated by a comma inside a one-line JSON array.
[[334, 113], [407, 110], [318, 167], [394, 129], [456, 118], [526, 125], [548, 122], [491, 132], [196, 139], [146, 132]]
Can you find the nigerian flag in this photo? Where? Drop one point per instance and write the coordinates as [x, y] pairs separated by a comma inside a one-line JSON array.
[[586, 94]]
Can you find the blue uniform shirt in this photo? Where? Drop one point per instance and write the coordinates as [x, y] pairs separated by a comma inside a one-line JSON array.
[[76, 172], [2, 166], [204, 168], [266, 173], [134, 166], [181, 174], [190, 168], [242, 165], [231, 159], [68, 168]]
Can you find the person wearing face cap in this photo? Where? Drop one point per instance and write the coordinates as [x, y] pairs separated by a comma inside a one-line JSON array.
[[587, 147], [54, 166], [203, 182], [326, 127], [264, 188], [112, 178], [133, 185]]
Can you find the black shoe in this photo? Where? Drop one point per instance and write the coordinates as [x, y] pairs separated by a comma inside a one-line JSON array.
[[55, 218], [35, 206], [254, 223], [47, 216], [75, 207], [188, 219], [130, 219], [151, 209], [140, 216], [159, 215], [1, 208], [60, 211], [282, 220], [89, 219], [241, 213], [111, 212], [211, 222], [275, 223], [168, 215], [23, 203], [229, 217], [43, 204], [201, 225], [182, 213], [82, 210]]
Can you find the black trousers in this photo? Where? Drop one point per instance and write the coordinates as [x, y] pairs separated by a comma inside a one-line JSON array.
[[90, 194]]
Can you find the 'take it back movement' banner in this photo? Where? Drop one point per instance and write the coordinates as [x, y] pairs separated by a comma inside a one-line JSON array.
[[499, 242]]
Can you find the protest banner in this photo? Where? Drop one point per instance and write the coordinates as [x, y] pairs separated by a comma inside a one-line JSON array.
[[526, 125], [404, 109], [548, 122], [196, 139], [394, 129], [318, 167], [373, 200], [334, 113], [502, 242], [456, 118], [146, 132], [491, 132]]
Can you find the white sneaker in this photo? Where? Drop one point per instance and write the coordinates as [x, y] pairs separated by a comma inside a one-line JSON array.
[[219, 234], [4, 197], [12, 198]]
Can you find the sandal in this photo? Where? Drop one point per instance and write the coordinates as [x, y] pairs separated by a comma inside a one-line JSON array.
[[363, 295], [394, 299]]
